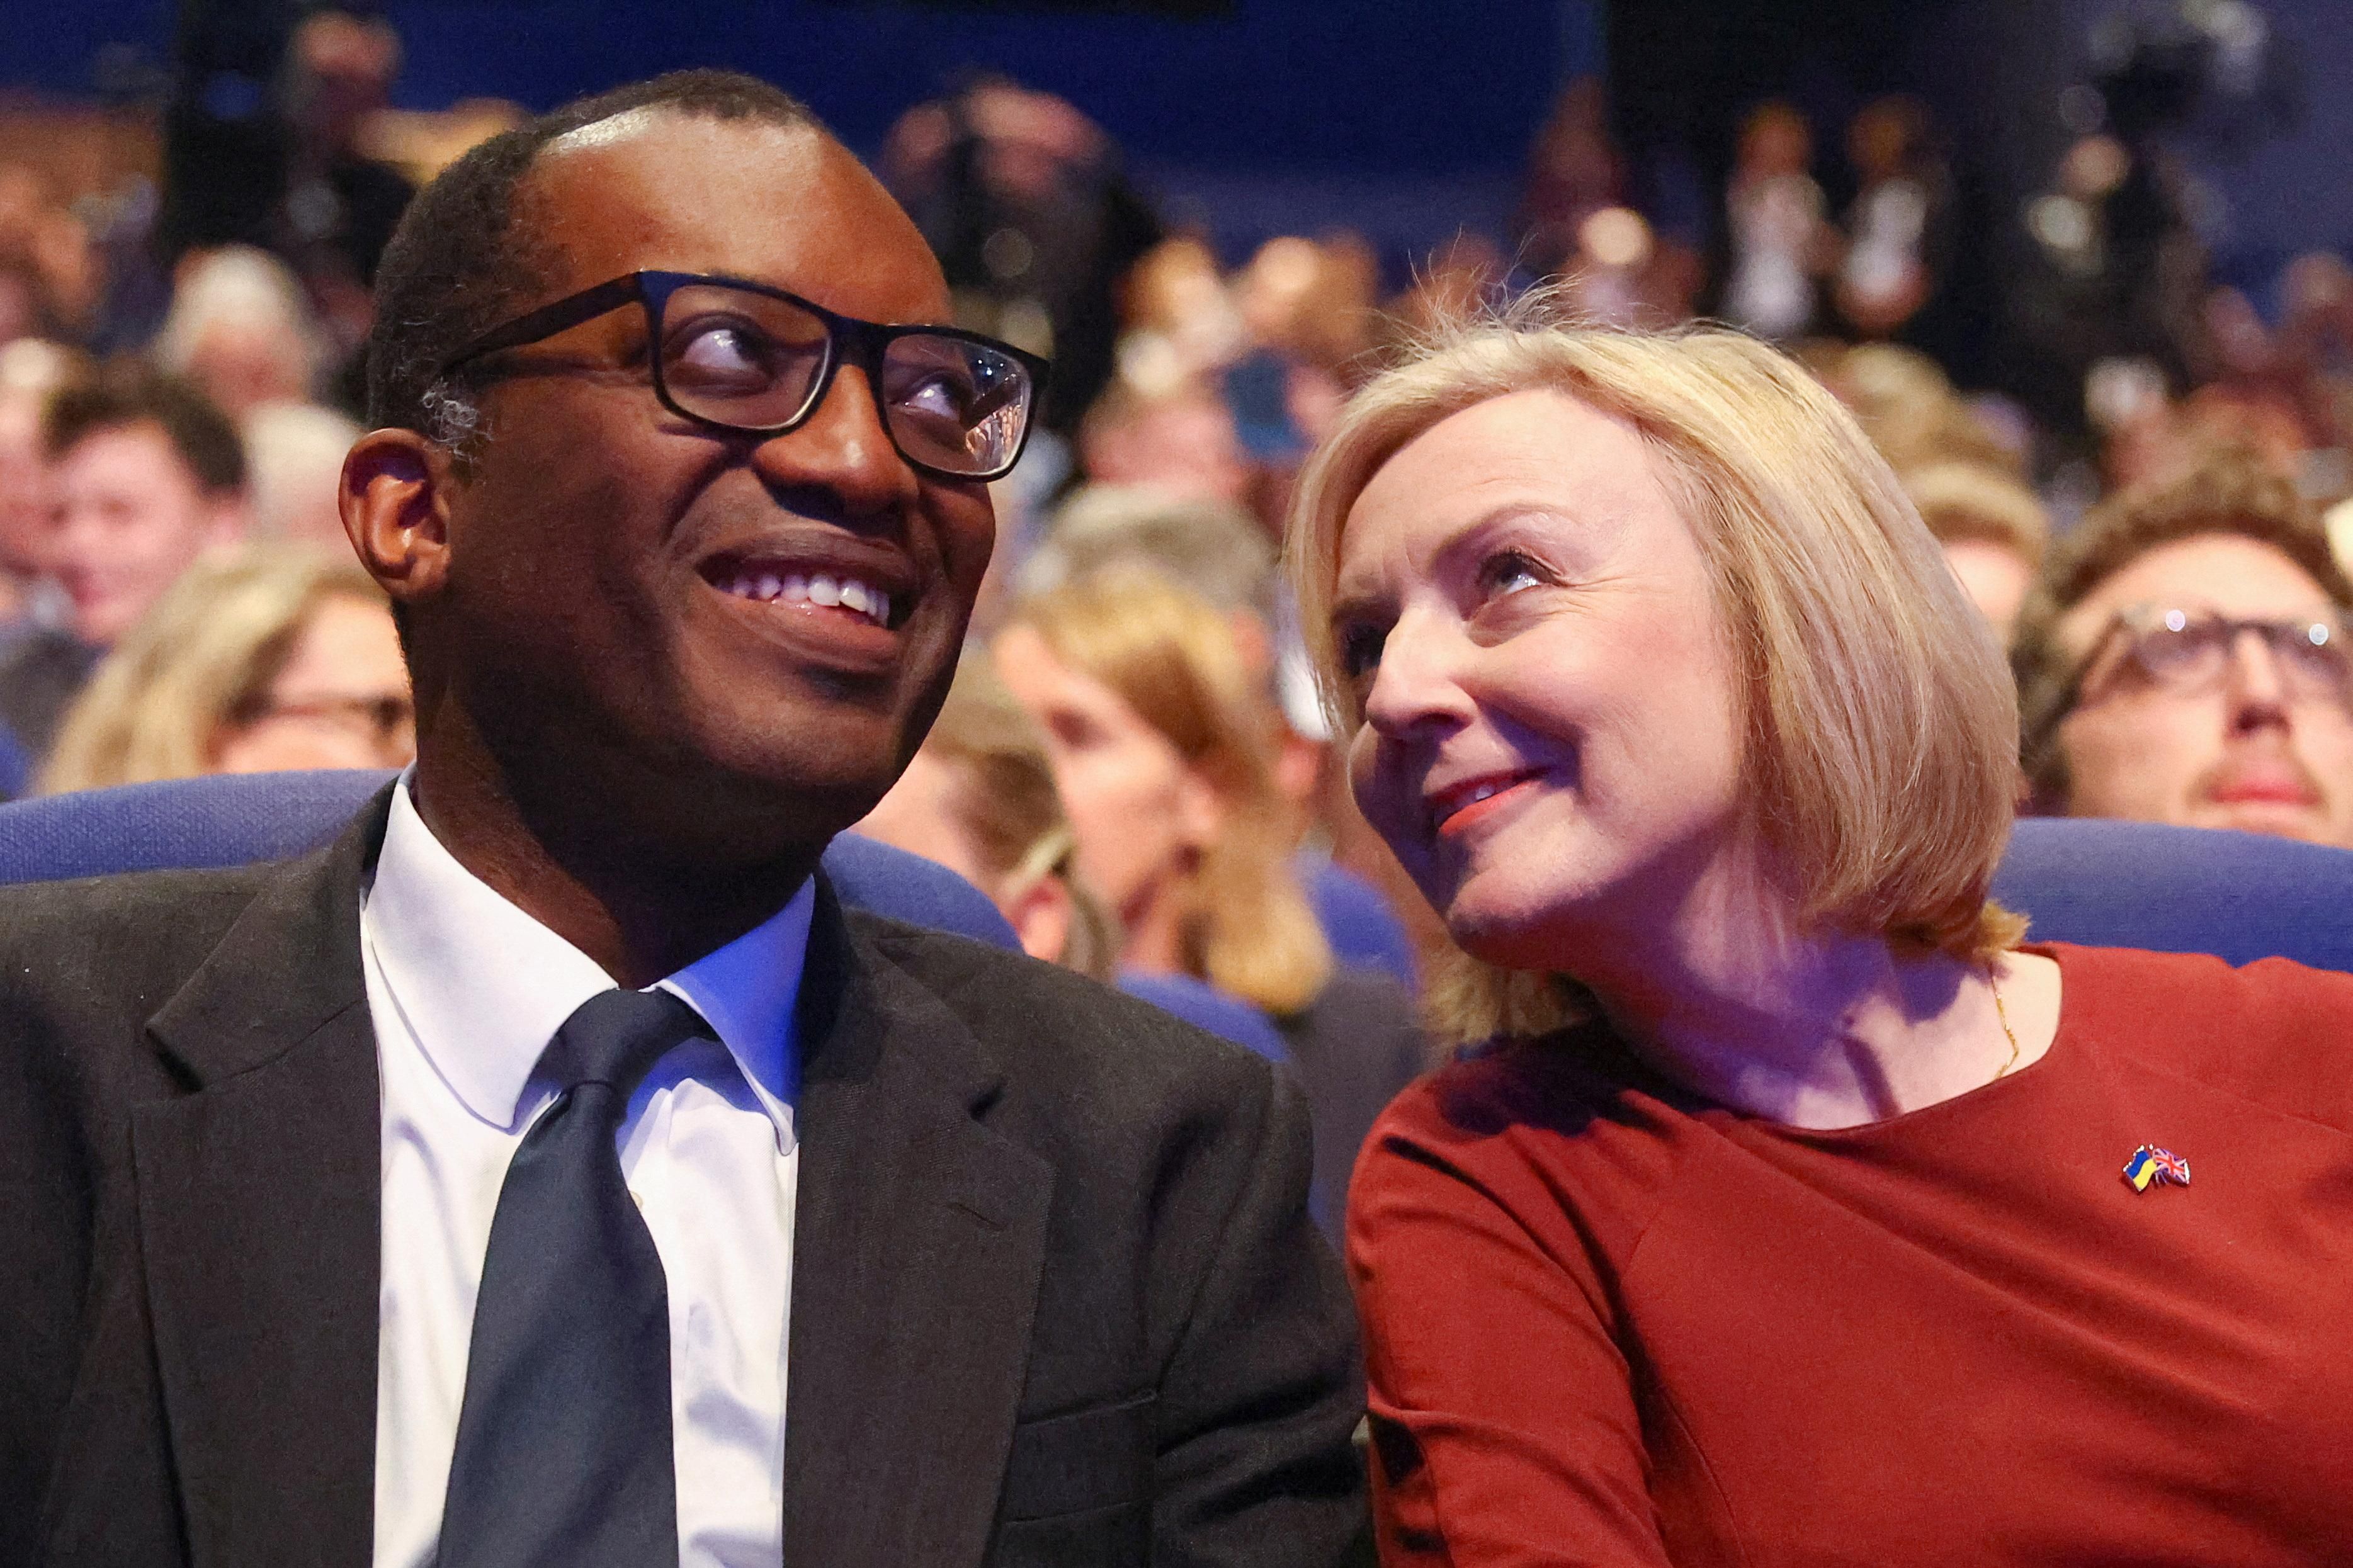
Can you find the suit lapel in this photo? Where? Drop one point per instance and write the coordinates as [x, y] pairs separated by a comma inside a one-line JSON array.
[[918, 1241], [258, 1202]]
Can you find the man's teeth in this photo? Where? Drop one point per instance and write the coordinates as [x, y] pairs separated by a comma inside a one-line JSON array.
[[846, 593]]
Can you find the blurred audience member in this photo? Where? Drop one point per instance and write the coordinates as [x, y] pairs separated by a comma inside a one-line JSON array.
[[241, 330], [1182, 321], [294, 465], [1213, 548], [31, 370], [1161, 739], [2185, 658], [1034, 220], [51, 278], [1994, 532], [1907, 406], [258, 659], [1309, 307], [342, 201], [147, 475], [1220, 553], [1774, 220], [1180, 439], [1898, 229], [979, 798], [1575, 170]]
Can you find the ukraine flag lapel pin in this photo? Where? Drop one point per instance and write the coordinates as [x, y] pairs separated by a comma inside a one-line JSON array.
[[2150, 1163]]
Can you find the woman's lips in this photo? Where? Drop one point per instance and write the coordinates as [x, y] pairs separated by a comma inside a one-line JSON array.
[[1460, 809]]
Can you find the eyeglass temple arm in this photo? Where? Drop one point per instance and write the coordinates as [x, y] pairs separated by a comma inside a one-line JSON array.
[[550, 319]]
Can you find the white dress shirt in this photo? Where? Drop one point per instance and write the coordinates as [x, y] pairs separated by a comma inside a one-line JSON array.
[[466, 992]]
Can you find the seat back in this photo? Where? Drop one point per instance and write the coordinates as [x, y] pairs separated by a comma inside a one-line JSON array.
[[229, 820], [1204, 1007], [2239, 895]]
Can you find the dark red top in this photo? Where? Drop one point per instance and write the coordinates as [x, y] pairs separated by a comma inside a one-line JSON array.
[[1610, 1324]]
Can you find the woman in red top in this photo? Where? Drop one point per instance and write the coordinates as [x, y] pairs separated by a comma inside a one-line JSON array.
[[1783, 1218]]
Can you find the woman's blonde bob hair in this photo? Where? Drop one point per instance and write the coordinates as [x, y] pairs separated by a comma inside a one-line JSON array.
[[162, 701], [1882, 726], [1248, 928]]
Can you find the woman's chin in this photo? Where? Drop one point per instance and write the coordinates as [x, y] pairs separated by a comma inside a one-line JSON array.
[[1508, 939]]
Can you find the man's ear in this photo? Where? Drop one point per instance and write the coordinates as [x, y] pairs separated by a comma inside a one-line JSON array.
[[396, 489]]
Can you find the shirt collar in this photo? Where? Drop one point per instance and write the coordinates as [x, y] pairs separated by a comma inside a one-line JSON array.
[[483, 986]]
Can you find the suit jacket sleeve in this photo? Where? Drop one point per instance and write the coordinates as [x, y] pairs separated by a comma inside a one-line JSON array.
[[1261, 1391]]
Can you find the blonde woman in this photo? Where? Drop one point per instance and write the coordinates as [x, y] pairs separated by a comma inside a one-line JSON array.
[[1161, 739], [256, 659], [979, 798], [1790, 1211]]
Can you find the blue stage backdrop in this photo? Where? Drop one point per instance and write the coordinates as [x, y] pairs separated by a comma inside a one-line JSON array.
[[1407, 120]]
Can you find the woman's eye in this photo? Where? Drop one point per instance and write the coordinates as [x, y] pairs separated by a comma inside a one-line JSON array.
[[1508, 572], [1360, 650]]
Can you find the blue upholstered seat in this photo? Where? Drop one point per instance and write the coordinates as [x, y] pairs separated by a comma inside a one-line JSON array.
[[227, 821], [2131, 884], [2239, 895]]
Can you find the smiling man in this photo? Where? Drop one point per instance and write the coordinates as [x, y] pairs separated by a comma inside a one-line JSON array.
[[551, 1170], [2186, 658]]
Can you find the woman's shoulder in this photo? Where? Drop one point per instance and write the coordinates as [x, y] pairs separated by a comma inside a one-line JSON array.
[[2273, 1030], [1552, 1130]]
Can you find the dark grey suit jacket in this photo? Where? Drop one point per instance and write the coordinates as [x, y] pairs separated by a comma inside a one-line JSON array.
[[1055, 1295]]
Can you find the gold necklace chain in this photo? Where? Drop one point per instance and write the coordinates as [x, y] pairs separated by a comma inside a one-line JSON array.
[[2003, 1013]]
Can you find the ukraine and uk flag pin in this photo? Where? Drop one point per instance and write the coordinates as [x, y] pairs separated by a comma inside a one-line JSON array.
[[2151, 1164]]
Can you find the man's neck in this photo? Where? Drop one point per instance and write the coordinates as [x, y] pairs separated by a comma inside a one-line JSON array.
[[604, 884]]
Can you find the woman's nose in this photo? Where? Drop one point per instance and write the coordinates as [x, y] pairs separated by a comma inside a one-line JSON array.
[[1417, 687]]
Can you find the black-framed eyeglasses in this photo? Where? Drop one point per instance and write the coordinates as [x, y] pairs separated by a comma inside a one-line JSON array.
[[742, 356], [2188, 649]]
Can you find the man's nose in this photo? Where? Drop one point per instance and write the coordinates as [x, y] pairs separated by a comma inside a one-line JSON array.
[[841, 451], [2257, 685], [1417, 690]]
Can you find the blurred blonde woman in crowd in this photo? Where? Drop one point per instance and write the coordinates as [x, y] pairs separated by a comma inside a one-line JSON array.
[[979, 798], [1163, 759], [1163, 740], [257, 659]]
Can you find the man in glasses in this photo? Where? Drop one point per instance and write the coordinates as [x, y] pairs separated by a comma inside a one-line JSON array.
[[2186, 658], [551, 1172]]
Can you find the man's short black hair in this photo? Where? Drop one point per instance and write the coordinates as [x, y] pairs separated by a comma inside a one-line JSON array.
[[203, 437], [459, 266]]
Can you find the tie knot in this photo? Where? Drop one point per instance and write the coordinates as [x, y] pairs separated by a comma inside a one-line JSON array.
[[615, 1036]]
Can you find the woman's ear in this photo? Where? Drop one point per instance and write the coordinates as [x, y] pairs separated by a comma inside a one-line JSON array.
[[396, 491], [1041, 919], [1200, 810]]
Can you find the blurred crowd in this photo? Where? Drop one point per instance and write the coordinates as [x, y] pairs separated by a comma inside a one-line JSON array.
[[1134, 765]]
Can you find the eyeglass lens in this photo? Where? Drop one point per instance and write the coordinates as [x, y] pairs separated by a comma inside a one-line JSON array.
[[752, 362], [2192, 646]]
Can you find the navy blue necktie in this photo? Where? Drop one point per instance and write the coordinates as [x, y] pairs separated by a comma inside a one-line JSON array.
[[563, 1448]]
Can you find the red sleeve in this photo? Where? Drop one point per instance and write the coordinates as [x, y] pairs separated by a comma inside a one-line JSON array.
[[1504, 1422]]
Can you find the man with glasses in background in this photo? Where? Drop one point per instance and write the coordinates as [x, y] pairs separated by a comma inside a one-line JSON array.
[[2185, 658], [551, 1171]]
